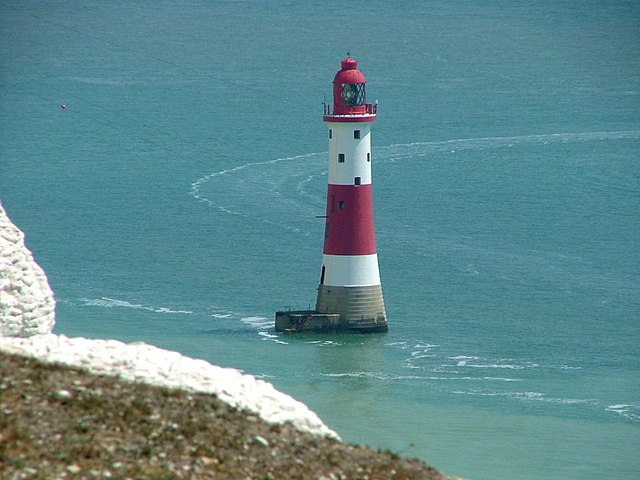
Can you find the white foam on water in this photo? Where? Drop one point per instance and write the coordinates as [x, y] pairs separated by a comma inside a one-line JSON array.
[[407, 364], [421, 354], [492, 393], [265, 327], [351, 375], [107, 302], [469, 361], [258, 322], [626, 411], [496, 365], [527, 396], [502, 379], [324, 343], [372, 375], [272, 337], [488, 379], [463, 359]]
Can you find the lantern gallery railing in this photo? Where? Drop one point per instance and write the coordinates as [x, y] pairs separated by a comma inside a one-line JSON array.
[[370, 109]]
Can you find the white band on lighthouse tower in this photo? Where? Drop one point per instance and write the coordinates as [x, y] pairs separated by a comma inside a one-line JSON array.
[[349, 153], [350, 270]]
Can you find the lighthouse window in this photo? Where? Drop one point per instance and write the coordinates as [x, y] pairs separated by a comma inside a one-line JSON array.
[[356, 134], [357, 181], [341, 204], [341, 158], [330, 133], [368, 157], [353, 94]]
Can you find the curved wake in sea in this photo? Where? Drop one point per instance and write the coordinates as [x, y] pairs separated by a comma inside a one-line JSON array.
[[245, 187], [295, 190]]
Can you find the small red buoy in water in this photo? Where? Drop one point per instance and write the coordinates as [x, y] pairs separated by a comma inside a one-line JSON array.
[[63, 106]]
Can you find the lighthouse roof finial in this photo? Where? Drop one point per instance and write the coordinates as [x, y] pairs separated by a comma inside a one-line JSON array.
[[350, 64]]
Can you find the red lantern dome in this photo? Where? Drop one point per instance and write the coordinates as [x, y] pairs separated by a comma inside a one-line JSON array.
[[349, 93]]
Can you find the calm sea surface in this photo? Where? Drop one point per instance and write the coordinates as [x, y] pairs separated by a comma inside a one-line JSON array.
[[174, 201]]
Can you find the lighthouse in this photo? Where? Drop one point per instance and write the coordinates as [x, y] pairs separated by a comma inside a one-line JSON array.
[[349, 292]]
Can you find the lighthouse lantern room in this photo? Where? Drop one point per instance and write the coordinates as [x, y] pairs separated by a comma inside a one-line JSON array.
[[350, 292]]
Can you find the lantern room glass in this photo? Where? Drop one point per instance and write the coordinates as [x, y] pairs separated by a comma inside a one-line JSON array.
[[353, 94]]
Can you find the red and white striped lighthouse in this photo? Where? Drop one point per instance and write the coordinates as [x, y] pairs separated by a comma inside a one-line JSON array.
[[350, 278], [350, 293]]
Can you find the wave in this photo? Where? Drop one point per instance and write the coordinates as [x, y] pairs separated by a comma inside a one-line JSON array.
[[258, 322], [527, 396], [498, 365], [265, 328], [626, 411], [425, 378], [373, 375], [324, 343], [423, 356], [272, 337]]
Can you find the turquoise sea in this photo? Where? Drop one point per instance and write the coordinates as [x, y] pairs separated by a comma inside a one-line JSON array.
[[174, 201]]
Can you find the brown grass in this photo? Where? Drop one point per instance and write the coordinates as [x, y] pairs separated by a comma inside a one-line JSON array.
[[61, 422]]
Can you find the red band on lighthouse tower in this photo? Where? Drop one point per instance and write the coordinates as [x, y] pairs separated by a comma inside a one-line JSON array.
[[349, 229]]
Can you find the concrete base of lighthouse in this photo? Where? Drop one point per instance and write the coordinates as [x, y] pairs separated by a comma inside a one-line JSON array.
[[299, 321], [295, 321], [361, 310]]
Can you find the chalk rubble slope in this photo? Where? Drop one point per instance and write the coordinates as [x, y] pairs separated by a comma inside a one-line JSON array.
[[27, 305], [27, 309]]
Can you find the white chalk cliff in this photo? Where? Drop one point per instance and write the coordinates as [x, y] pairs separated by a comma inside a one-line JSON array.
[[27, 317], [27, 305]]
